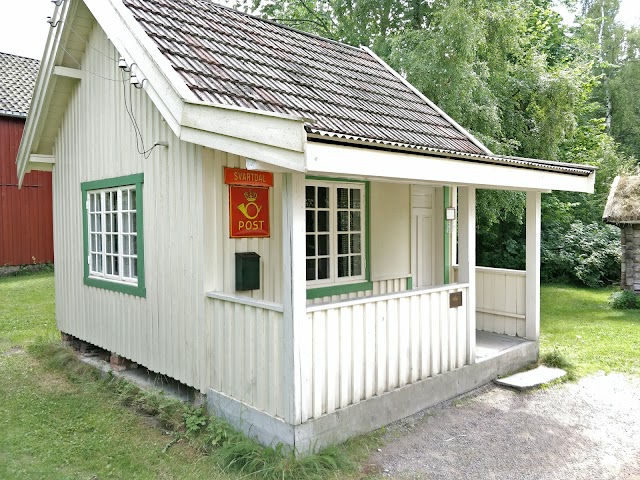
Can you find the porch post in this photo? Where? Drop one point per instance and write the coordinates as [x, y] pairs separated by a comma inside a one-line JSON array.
[[293, 291], [533, 266], [467, 260]]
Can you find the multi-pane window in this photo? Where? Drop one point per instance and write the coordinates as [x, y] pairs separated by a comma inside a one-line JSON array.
[[113, 234], [335, 232]]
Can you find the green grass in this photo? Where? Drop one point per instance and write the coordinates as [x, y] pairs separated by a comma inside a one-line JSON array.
[[583, 333], [27, 310], [57, 427], [59, 419]]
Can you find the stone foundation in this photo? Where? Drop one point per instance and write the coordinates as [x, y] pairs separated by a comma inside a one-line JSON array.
[[630, 257]]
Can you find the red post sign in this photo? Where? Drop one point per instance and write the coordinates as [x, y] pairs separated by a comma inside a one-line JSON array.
[[248, 202]]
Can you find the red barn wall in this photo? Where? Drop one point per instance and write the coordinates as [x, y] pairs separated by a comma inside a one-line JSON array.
[[26, 215]]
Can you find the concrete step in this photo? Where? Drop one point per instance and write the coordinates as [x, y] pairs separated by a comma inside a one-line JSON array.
[[531, 378]]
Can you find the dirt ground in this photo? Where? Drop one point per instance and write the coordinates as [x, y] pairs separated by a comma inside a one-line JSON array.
[[585, 430]]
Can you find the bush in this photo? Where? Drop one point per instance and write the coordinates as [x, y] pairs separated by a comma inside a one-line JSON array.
[[624, 300], [588, 253]]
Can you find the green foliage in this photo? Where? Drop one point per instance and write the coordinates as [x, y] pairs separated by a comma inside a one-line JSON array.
[[276, 463], [624, 300], [586, 253], [555, 359], [195, 419]]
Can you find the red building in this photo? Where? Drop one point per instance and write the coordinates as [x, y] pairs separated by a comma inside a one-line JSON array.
[[26, 218]]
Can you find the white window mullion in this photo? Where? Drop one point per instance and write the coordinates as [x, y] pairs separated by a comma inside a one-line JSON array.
[[119, 234], [103, 219], [333, 235]]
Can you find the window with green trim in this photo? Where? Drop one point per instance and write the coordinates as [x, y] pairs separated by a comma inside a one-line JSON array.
[[335, 239], [113, 234]]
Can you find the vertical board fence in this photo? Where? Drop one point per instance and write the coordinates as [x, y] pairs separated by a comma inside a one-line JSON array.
[[244, 351], [501, 301], [360, 348]]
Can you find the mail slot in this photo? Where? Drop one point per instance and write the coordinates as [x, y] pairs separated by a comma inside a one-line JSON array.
[[247, 271]]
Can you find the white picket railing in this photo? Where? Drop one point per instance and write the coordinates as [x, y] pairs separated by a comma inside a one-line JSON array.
[[501, 301], [359, 348]]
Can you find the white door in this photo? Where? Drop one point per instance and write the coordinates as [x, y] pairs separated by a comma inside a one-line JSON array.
[[423, 236]]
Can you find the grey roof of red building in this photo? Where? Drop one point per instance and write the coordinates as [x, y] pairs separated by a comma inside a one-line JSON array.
[[232, 58], [17, 79]]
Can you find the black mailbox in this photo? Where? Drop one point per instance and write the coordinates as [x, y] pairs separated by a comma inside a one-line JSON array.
[[247, 271]]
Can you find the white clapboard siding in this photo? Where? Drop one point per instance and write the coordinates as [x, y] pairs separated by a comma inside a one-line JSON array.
[[96, 140], [220, 249], [246, 360], [500, 301], [366, 347]]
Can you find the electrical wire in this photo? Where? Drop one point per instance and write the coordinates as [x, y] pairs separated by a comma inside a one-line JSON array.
[[83, 40], [129, 108], [88, 71]]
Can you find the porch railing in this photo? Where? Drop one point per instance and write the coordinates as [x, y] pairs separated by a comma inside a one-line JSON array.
[[360, 348], [244, 339], [501, 301]]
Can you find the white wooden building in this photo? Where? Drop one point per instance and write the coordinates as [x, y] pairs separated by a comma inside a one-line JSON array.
[[360, 316]]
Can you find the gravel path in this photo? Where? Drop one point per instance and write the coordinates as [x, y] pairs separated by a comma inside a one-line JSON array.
[[589, 430]]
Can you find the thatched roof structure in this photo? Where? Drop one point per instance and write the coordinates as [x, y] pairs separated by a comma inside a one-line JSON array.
[[623, 204]]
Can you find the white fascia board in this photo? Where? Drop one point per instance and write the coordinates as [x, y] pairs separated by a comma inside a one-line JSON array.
[[271, 137], [473, 139], [42, 91], [279, 157], [331, 160], [263, 128], [215, 126]]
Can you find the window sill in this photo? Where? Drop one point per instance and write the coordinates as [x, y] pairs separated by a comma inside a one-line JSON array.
[[134, 290], [338, 289]]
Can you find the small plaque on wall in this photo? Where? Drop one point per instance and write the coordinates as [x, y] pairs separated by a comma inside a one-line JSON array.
[[455, 299]]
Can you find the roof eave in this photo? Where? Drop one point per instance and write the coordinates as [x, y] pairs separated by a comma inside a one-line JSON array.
[[21, 115], [520, 162], [358, 159], [215, 126], [38, 99]]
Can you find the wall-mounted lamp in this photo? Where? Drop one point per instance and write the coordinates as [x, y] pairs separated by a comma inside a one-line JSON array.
[[57, 2], [451, 213]]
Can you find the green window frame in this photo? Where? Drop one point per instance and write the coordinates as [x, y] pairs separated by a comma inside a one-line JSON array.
[[113, 234], [316, 288]]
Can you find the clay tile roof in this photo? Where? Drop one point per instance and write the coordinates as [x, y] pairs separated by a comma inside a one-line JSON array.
[[17, 79], [228, 57], [623, 204]]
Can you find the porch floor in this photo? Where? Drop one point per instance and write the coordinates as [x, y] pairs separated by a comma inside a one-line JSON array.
[[489, 345]]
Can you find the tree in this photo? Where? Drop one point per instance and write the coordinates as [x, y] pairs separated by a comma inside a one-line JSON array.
[[524, 84]]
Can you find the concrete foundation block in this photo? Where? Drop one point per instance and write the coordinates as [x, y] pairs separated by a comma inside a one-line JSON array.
[[368, 415]]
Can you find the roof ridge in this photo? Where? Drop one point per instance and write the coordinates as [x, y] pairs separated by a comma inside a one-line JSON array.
[[229, 57], [279, 25]]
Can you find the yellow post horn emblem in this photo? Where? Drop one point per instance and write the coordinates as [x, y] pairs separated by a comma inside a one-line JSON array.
[[251, 197]]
